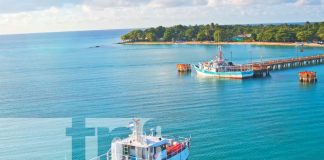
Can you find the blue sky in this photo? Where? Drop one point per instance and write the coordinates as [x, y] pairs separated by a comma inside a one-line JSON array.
[[17, 16]]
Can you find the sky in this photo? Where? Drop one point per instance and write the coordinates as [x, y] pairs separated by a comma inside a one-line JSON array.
[[30, 16]]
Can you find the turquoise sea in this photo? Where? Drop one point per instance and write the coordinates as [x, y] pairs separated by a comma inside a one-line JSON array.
[[46, 79]]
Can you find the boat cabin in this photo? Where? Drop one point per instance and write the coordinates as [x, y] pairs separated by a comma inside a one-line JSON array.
[[148, 147]]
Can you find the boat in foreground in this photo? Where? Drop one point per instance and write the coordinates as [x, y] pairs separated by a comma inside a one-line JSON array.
[[222, 69], [139, 146]]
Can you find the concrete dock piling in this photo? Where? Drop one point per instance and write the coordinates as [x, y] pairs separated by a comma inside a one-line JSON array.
[[307, 77], [184, 67]]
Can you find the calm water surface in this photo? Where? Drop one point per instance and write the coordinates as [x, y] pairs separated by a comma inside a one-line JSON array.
[[59, 75]]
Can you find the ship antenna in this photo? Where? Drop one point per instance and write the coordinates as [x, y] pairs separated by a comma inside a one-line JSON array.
[[220, 54], [152, 131]]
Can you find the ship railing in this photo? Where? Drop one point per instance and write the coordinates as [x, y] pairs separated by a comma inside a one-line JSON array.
[[106, 155], [178, 138], [130, 158], [235, 68]]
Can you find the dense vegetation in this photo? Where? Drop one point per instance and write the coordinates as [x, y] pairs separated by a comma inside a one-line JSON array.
[[223, 33]]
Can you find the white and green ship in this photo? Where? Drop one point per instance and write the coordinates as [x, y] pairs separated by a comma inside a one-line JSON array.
[[220, 68]]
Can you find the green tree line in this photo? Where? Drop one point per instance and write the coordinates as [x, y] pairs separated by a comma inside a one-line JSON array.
[[225, 33]]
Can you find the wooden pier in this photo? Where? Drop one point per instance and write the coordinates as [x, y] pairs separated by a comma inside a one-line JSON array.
[[262, 69]]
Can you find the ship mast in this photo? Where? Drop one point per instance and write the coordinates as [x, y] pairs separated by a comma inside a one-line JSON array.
[[220, 55], [137, 132]]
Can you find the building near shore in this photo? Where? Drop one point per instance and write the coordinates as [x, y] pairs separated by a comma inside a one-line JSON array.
[[241, 37]]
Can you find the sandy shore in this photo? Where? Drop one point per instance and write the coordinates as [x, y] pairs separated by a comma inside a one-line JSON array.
[[235, 43]]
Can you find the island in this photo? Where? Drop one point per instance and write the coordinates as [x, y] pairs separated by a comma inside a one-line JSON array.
[[308, 34]]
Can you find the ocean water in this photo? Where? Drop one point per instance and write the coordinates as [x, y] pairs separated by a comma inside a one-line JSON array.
[[47, 79]]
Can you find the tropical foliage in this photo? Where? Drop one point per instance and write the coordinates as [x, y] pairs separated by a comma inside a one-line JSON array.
[[214, 32]]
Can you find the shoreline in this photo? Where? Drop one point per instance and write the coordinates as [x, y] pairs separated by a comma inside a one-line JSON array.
[[220, 43]]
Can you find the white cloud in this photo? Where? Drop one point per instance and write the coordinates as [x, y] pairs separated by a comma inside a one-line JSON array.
[[244, 3], [114, 3], [308, 2], [176, 3], [14, 6], [104, 14]]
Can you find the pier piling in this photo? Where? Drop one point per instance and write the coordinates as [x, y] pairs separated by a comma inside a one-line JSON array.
[[307, 77], [184, 67]]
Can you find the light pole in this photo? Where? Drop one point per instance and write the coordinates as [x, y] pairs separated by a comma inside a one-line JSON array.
[[251, 56], [297, 51], [231, 57], [261, 57]]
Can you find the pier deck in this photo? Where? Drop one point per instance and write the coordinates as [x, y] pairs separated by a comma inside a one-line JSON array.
[[263, 68]]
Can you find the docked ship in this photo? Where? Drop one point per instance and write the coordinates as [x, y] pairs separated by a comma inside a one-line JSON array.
[[139, 146], [220, 68]]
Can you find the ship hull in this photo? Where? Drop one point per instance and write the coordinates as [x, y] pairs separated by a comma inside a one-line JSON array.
[[183, 155], [234, 75]]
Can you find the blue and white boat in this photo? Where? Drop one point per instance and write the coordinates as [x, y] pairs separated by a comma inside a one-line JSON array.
[[139, 146], [220, 68]]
